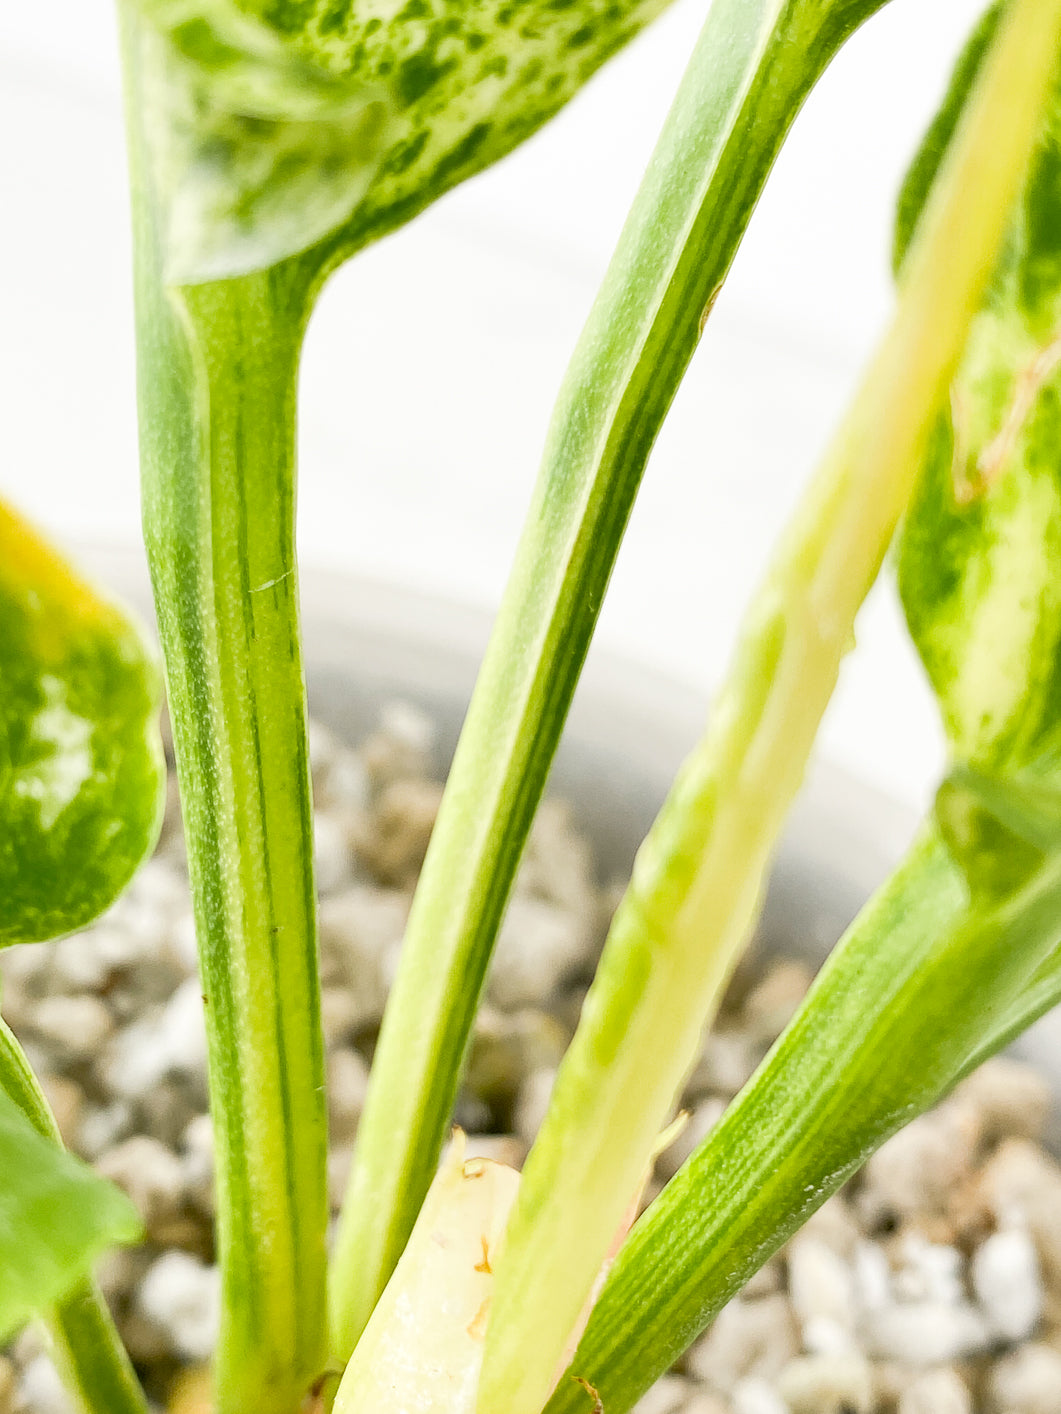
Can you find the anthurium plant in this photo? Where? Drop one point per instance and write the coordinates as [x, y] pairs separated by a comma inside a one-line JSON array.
[[270, 140]]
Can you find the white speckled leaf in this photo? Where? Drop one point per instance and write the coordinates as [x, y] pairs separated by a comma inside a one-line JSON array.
[[256, 153], [276, 124], [980, 558]]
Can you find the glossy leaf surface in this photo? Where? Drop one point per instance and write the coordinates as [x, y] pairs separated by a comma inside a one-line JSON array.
[[81, 768], [275, 124], [56, 1217]]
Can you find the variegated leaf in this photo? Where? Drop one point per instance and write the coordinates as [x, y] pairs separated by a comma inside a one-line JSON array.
[[980, 558], [256, 153], [276, 124], [81, 768]]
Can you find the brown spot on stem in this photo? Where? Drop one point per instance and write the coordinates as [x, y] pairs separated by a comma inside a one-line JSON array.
[[477, 1325], [592, 1391], [705, 313], [316, 1400], [484, 1265]]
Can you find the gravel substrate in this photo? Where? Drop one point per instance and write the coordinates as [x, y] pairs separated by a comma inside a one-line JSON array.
[[931, 1285]]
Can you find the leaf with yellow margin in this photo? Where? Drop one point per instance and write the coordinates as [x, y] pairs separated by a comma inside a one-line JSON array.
[[81, 765]]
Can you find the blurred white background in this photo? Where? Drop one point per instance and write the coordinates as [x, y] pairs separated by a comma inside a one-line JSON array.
[[433, 359]]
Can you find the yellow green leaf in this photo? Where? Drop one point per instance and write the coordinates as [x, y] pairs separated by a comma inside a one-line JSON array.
[[81, 765]]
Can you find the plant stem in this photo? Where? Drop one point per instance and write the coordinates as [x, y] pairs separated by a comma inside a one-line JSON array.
[[224, 574], [89, 1350], [697, 882], [90, 1356], [219, 524], [756, 62], [883, 1034], [217, 383]]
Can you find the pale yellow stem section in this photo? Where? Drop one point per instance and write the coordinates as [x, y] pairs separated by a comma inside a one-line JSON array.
[[422, 1348]]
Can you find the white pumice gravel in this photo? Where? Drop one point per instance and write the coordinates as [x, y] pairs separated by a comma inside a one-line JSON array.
[[533, 1101], [930, 1285], [1005, 1275], [73, 1028], [939, 1391], [40, 1388], [821, 1287], [667, 1396], [102, 1126], [758, 1396], [150, 1174], [873, 1276], [749, 1340], [169, 1039], [926, 1333], [827, 1384], [1026, 1382], [540, 945], [703, 1402], [182, 1297]]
